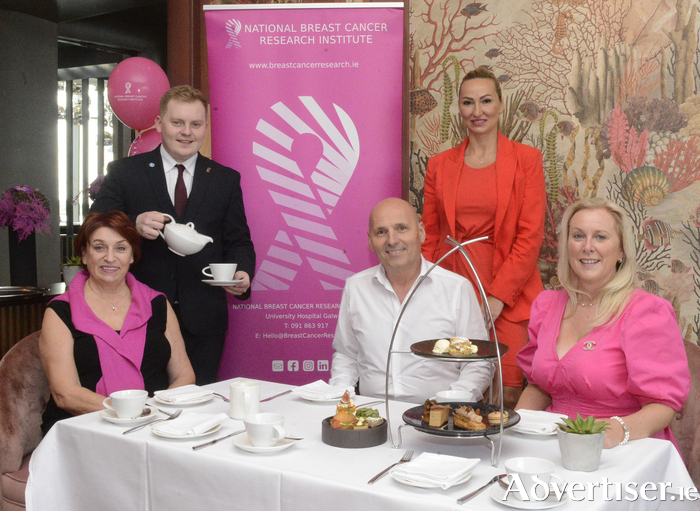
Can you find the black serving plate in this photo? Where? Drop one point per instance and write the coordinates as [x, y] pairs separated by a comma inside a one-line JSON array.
[[353, 438], [487, 350], [414, 417]]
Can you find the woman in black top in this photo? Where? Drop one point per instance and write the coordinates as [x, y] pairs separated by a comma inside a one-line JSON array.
[[108, 331]]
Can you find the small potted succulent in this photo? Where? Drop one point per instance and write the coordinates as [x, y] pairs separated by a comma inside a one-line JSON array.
[[71, 268], [581, 442]]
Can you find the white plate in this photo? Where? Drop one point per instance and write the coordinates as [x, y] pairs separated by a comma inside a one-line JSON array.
[[243, 442], [532, 433], [417, 484], [323, 399], [498, 492], [199, 401], [186, 437], [222, 282], [111, 416]]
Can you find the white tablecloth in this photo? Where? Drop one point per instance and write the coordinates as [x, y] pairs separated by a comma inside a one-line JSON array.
[[85, 463]]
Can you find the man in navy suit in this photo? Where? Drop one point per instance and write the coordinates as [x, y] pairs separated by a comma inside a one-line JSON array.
[[177, 180]]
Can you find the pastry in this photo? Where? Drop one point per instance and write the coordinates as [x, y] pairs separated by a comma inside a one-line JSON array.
[[464, 423], [346, 404], [465, 417], [495, 417], [439, 415], [429, 403], [462, 347]]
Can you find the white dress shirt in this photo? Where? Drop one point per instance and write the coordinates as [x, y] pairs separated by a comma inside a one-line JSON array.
[[444, 306], [171, 172]]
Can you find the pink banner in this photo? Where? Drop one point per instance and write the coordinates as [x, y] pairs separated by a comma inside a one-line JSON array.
[[306, 104]]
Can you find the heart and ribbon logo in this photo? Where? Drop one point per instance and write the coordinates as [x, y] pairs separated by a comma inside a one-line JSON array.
[[233, 28], [307, 156]]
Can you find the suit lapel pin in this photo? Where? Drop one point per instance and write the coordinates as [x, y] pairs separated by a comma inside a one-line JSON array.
[[151, 164], [208, 169]]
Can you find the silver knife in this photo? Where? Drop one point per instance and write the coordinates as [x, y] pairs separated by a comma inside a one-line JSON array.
[[275, 396], [476, 492], [379, 401], [202, 446]]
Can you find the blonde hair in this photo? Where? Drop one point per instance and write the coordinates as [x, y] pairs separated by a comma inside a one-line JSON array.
[[615, 294], [184, 93], [481, 72]]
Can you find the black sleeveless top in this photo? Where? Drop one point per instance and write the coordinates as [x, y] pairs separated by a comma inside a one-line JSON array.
[[154, 365]]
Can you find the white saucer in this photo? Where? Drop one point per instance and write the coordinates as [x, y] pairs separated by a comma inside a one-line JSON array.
[[222, 282], [185, 437], [498, 492], [243, 442], [111, 416], [199, 401], [417, 484]]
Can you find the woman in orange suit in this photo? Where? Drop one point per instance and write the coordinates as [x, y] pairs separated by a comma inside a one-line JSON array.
[[490, 186]]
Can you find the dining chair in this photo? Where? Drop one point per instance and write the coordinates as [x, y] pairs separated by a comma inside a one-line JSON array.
[[24, 392], [685, 424]]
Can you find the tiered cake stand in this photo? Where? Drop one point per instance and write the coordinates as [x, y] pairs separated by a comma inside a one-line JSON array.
[[488, 350]]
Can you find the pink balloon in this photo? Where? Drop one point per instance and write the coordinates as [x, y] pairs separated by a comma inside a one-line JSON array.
[[145, 142], [135, 87]]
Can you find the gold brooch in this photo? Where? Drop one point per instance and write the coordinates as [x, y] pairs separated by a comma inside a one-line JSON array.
[[589, 345]]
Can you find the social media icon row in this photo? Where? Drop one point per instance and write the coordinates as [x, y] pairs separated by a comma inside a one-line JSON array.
[[278, 366]]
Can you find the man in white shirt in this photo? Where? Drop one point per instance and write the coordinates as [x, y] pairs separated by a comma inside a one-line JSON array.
[[444, 306]]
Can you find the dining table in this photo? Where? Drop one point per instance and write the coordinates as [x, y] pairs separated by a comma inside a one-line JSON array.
[[86, 463]]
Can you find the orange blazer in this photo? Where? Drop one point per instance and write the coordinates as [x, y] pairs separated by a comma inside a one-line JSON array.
[[519, 224]]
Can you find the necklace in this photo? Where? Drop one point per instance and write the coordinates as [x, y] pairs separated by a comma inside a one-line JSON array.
[[114, 304], [481, 160], [589, 304]]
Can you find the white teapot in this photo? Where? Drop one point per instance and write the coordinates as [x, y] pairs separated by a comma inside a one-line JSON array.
[[182, 238]]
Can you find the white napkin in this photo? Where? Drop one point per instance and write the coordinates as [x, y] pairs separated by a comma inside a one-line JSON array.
[[536, 422], [436, 469], [321, 390], [191, 424], [184, 394]]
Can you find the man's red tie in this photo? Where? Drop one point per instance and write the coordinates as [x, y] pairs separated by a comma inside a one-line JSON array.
[[180, 191]]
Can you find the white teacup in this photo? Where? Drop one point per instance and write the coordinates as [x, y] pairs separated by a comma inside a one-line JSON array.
[[221, 271], [530, 478], [245, 399], [127, 404], [265, 429], [454, 395]]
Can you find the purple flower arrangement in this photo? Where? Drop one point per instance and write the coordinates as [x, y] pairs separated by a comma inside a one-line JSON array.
[[95, 187], [26, 210], [91, 190]]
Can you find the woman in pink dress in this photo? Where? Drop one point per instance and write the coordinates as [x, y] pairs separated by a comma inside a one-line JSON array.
[[602, 346]]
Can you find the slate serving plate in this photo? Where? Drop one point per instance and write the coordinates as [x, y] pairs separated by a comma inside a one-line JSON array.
[[353, 438]]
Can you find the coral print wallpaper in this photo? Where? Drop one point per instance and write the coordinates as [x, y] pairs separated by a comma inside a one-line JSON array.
[[606, 89]]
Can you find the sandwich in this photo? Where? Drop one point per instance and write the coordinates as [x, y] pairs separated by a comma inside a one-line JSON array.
[[343, 420]]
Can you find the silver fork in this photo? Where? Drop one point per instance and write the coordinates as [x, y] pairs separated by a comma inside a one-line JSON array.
[[221, 396], [404, 459], [175, 415]]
